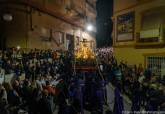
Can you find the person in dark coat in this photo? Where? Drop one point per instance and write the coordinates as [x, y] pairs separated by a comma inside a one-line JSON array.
[[61, 99], [153, 100], [13, 97], [136, 100], [27, 92], [44, 104], [118, 105], [100, 100], [34, 102], [76, 98], [3, 100], [89, 93]]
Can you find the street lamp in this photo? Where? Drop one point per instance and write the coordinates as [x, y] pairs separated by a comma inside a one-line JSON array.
[[18, 47], [89, 27]]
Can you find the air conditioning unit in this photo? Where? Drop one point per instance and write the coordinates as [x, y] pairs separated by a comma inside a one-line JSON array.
[[150, 37]]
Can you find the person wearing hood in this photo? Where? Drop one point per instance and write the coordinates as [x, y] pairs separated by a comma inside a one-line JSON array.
[[118, 105]]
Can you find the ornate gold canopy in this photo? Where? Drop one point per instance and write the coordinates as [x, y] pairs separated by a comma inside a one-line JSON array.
[[84, 51]]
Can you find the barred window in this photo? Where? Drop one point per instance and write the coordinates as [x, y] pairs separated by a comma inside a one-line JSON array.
[[156, 64]]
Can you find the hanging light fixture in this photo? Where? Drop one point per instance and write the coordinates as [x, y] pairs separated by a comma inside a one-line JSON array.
[[7, 17], [89, 27]]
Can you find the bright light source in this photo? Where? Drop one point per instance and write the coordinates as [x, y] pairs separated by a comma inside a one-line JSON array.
[[89, 27], [7, 17], [18, 47]]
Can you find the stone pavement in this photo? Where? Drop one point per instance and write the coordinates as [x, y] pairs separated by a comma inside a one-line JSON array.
[[110, 98]]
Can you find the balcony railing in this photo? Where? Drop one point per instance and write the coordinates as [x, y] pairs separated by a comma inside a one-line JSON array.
[[90, 9], [91, 5]]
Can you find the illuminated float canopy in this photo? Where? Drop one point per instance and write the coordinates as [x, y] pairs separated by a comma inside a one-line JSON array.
[[85, 59], [84, 51]]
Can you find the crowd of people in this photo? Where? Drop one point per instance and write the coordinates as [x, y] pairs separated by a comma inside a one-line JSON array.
[[44, 81], [104, 54], [36, 92], [142, 86]]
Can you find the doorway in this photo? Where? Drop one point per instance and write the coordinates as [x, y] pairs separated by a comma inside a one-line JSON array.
[[70, 42], [2, 38]]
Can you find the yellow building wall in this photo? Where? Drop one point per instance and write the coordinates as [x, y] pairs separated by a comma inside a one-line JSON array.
[[138, 8], [127, 51], [135, 56], [122, 4]]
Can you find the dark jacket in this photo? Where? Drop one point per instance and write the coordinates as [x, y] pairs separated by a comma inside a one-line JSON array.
[[45, 106]]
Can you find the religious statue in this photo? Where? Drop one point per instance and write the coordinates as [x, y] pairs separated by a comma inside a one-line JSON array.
[[84, 51]]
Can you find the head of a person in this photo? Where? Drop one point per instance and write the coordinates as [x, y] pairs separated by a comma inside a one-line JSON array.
[[7, 86], [141, 74], [39, 77], [45, 93], [26, 83], [47, 83], [16, 83]]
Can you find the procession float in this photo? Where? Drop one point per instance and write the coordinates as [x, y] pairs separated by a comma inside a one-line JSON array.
[[85, 59]]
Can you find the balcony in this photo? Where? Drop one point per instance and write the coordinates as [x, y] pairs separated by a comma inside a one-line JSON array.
[[90, 9], [91, 4], [150, 38], [43, 7]]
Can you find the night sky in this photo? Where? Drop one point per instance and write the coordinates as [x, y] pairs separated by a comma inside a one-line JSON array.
[[104, 23]]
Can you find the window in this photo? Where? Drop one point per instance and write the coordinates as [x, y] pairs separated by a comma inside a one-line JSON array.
[[156, 64], [152, 21]]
